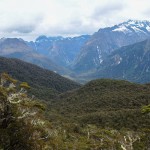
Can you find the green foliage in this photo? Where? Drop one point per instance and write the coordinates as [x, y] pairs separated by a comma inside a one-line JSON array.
[[22, 123], [24, 85], [146, 109], [6, 77], [27, 124]]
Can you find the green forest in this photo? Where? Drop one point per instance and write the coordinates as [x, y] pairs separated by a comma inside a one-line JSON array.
[[101, 115]]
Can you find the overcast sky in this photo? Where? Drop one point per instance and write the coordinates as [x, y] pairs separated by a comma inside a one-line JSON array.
[[28, 19]]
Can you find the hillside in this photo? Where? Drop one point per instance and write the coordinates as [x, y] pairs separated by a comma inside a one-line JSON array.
[[106, 103], [44, 83], [128, 63], [24, 126]]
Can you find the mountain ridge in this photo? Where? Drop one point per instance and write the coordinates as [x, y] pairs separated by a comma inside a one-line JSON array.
[[106, 40]]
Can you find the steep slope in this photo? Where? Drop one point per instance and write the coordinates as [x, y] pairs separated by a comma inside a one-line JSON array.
[[17, 48], [45, 84], [130, 63], [106, 40], [60, 50], [106, 102]]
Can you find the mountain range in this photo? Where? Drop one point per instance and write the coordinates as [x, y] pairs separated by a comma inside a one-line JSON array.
[[88, 57], [60, 50], [107, 40]]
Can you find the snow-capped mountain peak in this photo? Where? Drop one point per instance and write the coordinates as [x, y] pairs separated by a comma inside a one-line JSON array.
[[132, 26]]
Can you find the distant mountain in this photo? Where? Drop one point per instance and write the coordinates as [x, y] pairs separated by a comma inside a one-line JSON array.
[[106, 40], [107, 103], [42, 44], [13, 46], [63, 52], [17, 48], [60, 50], [129, 63], [45, 84]]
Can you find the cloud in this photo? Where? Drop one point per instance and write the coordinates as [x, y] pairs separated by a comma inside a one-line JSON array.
[[107, 10], [22, 25], [21, 29], [31, 18]]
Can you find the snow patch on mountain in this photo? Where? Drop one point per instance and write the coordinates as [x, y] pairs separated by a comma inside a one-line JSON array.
[[148, 28], [137, 29], [132, 25], [99, 55], [121, 29], [117, 59]]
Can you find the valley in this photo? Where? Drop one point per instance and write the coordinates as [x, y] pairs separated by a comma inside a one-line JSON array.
[[88, 92]]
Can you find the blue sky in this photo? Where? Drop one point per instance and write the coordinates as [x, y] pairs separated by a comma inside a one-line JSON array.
[[28, 19]]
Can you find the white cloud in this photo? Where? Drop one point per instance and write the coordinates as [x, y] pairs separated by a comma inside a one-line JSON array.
[[31, 18]]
